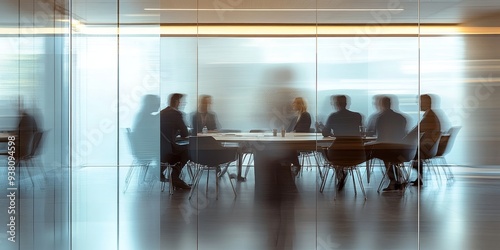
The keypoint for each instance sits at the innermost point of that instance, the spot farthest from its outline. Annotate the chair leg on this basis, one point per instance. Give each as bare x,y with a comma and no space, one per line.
197,178
30,176
217,173
446,169
232,186
206,189
384,177
323,180
319,163
360,179
129,176
350,170
336,183
250,159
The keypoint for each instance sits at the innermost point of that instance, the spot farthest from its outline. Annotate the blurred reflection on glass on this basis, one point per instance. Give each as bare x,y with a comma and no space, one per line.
145,129
27,129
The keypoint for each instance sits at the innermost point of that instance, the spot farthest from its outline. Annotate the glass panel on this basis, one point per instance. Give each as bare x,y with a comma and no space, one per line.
95,125
178,74
139,128
252,79
367,56
459,70
36,177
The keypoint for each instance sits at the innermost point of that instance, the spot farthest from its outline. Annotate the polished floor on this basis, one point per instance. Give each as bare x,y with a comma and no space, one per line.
444,214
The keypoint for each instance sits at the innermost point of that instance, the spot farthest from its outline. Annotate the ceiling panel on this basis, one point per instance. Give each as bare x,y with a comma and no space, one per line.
237,11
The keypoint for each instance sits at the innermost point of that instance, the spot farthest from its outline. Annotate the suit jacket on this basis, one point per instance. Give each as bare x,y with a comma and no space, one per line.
431,127
390,126
301,124
210,121
343,123
171,125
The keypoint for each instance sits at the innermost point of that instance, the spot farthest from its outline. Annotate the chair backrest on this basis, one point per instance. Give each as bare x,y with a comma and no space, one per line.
413,137
429,143
346,151
131,140
453,135
447,141
37,139
205,150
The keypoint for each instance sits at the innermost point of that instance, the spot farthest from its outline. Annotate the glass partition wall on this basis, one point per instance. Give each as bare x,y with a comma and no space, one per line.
34,102
94,75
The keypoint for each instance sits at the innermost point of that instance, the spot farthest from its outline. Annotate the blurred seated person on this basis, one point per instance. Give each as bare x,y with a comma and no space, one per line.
145,124
301,123
390,128
27,127
204,117
430,126
172,129
370,126
342,123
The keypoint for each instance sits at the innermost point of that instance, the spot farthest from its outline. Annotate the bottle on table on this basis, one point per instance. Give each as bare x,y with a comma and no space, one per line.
204,130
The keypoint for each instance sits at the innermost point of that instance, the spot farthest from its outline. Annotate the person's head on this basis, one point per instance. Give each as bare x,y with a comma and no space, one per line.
204,103
299,105
425,102
150,103
376,102
339,102
385,103
175,100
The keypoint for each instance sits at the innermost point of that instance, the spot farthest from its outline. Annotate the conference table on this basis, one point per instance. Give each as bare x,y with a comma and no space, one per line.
266,142
4,139
272,154
4,136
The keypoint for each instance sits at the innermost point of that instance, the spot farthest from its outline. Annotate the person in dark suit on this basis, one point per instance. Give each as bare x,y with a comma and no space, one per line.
342,123
390,128
171,126
302,123
204,117
430,126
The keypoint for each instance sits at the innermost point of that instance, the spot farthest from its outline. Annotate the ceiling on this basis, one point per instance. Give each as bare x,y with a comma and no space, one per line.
261,11
285,11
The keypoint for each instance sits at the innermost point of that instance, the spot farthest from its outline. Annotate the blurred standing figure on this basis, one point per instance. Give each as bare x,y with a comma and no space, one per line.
146,122
343,122
204,117
302,122
172,125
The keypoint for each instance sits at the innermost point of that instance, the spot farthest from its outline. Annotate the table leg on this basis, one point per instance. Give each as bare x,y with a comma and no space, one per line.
240,166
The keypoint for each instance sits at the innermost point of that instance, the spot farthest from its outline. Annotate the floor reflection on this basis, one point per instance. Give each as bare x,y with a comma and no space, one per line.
459,214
